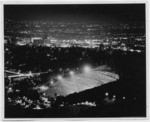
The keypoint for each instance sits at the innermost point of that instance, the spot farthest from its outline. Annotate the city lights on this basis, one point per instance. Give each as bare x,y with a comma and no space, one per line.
67,65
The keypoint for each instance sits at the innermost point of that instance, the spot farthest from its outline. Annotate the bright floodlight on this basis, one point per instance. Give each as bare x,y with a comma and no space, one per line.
59,77
87,69
71,73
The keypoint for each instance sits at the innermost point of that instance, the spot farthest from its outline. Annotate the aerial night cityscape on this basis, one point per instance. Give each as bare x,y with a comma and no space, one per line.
74,60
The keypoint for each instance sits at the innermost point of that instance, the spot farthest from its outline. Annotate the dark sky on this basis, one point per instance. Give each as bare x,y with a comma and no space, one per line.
91,12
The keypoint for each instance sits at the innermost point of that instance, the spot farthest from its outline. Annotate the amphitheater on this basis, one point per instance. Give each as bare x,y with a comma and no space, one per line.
80,81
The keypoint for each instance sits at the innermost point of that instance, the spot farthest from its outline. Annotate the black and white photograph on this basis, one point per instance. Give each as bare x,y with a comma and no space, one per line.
75,60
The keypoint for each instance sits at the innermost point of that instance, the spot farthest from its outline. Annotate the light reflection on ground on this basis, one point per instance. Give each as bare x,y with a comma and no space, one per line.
80,81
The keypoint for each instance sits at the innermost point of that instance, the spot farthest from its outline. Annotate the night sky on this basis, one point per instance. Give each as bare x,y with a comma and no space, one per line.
91,12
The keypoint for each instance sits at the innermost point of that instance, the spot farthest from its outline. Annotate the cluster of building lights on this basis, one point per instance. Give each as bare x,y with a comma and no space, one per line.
92,104
26,103
86,103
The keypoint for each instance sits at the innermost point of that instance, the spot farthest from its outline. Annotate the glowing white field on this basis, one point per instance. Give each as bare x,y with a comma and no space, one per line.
79,82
